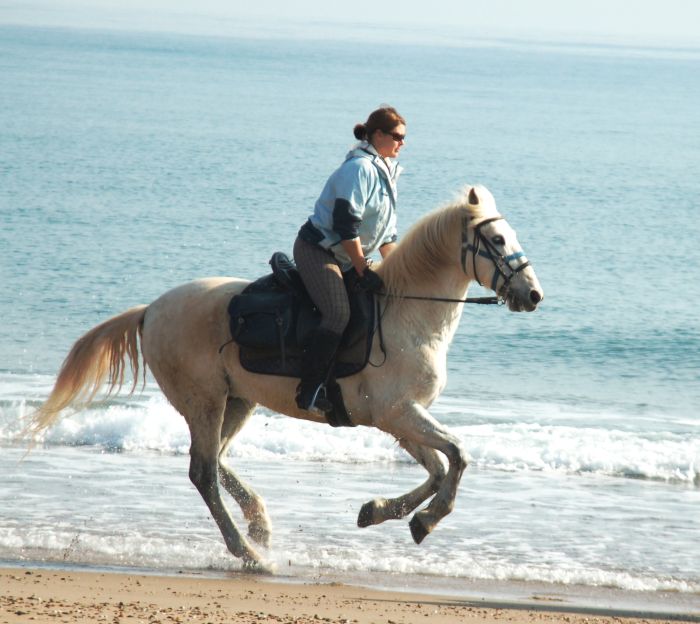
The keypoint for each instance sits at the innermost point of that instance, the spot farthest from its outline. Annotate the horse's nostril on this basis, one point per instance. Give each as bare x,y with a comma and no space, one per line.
535,296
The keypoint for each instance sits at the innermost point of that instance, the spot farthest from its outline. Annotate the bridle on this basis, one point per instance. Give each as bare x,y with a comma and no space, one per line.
502,264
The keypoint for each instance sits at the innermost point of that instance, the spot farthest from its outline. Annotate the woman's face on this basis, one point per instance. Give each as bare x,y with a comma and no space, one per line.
388,144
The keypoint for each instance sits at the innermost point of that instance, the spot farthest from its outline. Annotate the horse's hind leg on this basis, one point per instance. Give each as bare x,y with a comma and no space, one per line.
381,509
204,462
235,416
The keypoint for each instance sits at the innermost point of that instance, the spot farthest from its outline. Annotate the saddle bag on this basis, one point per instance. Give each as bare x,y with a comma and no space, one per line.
265,320
275,319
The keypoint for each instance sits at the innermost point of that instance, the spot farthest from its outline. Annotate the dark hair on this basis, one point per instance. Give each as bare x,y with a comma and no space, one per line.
385,119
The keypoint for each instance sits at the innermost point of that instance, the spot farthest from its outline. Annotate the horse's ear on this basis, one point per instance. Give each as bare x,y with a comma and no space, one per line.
473,197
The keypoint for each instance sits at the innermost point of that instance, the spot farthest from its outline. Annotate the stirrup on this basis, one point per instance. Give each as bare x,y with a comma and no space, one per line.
319,402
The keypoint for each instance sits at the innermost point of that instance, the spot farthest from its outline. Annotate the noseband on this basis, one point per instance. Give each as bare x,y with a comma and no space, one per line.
501,263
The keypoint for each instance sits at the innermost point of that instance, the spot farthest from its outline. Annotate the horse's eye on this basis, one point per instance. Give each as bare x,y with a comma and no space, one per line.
498,240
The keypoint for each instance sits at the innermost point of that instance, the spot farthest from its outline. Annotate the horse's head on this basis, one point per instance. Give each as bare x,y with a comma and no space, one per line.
492,255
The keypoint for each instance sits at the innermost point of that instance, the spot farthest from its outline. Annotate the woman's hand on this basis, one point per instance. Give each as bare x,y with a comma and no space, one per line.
370,281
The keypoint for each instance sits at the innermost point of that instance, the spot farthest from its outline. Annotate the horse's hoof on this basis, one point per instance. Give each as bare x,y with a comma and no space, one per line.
255,566
364,518
367,514
418,530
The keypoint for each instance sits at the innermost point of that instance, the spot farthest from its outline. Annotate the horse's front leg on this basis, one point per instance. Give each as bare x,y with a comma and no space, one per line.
381,509
411,421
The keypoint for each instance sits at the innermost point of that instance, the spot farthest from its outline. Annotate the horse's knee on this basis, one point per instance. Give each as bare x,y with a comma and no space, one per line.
457,456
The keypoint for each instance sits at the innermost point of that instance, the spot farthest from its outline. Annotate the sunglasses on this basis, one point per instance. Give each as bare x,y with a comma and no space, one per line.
396,136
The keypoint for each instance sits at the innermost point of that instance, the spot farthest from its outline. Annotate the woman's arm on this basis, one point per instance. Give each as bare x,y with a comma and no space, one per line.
353,248
385,250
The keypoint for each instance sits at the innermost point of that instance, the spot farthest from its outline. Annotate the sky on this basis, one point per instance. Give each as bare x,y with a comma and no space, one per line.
653,21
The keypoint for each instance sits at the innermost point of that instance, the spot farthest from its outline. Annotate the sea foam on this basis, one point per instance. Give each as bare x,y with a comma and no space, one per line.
499,440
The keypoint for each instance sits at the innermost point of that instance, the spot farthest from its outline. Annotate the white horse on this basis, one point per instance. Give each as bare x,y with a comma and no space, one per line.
181,333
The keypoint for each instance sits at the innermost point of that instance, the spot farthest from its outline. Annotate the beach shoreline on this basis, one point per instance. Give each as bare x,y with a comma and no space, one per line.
72,595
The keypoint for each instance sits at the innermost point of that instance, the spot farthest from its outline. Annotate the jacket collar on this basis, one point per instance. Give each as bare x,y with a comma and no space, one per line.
388,167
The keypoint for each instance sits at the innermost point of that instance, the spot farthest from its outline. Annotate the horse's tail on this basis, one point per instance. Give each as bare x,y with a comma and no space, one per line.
99,355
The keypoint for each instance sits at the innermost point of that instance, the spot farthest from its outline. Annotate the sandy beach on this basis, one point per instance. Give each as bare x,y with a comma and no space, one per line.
69,596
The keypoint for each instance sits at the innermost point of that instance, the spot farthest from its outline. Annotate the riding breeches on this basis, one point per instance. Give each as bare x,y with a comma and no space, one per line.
323,279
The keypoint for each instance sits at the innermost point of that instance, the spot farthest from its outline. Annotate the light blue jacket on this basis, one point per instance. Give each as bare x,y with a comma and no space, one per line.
358,200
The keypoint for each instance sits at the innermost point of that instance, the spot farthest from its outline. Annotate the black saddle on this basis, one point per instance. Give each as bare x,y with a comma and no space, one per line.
274,318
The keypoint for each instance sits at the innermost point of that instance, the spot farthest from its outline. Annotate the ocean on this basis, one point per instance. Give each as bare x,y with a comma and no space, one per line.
131,162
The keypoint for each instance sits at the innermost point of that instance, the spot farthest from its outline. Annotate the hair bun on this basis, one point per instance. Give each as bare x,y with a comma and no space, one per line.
360,131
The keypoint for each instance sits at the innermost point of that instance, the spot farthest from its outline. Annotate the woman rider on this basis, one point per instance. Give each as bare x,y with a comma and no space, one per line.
354,216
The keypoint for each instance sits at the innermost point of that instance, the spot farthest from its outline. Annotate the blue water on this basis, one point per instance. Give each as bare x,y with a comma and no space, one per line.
132,162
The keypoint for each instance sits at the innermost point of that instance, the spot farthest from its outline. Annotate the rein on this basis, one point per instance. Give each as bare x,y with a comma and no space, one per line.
481,300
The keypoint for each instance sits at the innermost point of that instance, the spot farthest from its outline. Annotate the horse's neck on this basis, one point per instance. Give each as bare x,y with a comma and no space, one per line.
428,322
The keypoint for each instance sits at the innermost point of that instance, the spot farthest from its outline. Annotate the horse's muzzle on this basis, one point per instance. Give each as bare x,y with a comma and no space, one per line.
525,302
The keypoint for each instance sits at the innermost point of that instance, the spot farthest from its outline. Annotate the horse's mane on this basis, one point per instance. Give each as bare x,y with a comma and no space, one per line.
433,241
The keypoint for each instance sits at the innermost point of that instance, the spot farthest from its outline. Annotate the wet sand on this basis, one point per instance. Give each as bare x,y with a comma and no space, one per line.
70,596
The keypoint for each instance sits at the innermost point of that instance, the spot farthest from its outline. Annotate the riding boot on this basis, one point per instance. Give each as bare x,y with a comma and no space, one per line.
316,365
338,416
